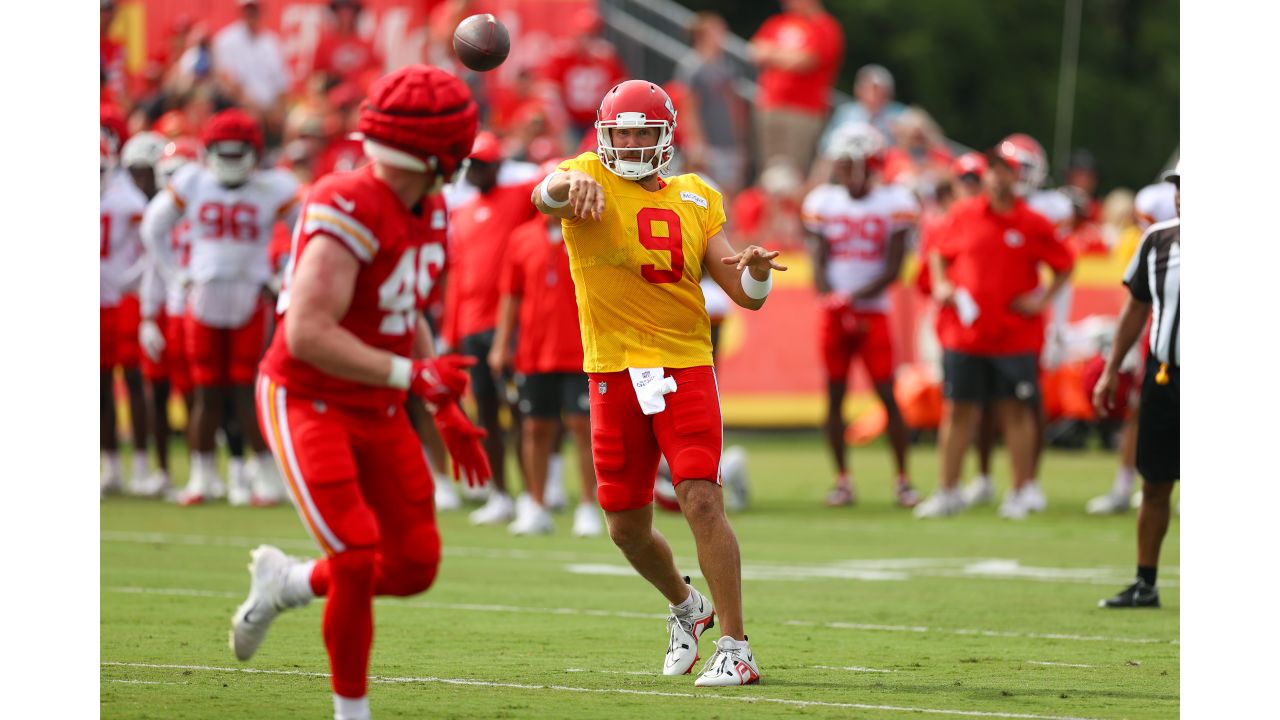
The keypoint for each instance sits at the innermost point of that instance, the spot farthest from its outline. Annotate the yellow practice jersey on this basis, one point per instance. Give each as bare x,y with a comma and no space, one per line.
636,271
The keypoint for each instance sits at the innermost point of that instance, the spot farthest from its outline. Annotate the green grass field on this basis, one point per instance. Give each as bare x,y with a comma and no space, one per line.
861,612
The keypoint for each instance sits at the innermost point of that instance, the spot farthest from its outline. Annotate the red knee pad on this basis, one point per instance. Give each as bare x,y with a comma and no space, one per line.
356,566
414,566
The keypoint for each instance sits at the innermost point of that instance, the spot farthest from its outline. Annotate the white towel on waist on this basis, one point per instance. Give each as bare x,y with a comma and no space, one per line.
650,386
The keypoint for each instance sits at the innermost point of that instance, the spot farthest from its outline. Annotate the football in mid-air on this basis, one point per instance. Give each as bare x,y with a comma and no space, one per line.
481,42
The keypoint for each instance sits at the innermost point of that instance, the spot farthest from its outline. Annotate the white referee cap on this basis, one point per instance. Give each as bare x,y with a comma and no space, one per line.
1174,174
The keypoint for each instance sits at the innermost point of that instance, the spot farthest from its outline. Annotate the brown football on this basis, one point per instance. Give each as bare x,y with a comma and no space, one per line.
481,42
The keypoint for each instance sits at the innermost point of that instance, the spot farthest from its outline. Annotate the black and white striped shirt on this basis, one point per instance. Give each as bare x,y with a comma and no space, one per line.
1154,277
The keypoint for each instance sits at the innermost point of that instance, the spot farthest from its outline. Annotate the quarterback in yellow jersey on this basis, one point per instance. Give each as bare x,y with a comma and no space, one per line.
638,246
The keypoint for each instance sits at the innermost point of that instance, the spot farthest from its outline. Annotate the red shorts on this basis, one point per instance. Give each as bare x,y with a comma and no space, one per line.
175,354
226,356
846,333
626,443
108,329
358,478
128,351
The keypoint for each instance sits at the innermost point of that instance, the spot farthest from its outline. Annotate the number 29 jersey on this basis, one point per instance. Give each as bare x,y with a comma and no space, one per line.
401,254
636,271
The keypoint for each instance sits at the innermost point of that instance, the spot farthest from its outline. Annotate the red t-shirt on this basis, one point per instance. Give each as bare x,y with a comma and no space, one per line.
537,270
481,230
345,56
340,155
996,257
401,254
583,79
808,90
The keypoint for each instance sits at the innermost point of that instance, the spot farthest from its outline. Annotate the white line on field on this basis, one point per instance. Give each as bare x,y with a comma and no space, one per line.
851,668
143,682
609,691
471,607
611,672
1058,664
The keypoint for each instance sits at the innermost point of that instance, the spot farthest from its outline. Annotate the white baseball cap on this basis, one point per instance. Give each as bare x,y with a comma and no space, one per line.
1174,174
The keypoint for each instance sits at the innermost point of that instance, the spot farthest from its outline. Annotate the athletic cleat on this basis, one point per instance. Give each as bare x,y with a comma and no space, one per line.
733,476
532,519
1032,497
499,509
841,496
446,494
554,497
586,521
110,484
239,491
684,631
155,485
1112,503
979,491
268,568
1137,595
942,503
732,664
907,497
268,489
1014,506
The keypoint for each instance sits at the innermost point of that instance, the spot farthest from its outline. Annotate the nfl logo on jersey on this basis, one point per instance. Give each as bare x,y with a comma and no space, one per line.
604,387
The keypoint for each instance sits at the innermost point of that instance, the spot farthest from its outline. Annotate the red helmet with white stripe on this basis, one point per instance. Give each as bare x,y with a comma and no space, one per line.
181,151
636,104
1024,154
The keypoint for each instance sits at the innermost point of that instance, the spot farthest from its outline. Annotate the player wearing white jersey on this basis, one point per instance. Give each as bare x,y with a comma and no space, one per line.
120,254
232,208
858,231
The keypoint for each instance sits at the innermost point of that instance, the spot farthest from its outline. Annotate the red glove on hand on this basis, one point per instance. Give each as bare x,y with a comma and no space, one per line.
463,442
440,380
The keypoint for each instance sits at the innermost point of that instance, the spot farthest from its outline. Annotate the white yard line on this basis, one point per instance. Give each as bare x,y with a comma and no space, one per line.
588,612
1058,664
704,697
143,682
611,672
851,668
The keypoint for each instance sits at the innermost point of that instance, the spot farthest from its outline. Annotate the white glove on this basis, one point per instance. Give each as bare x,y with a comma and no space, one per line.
966,307
151,339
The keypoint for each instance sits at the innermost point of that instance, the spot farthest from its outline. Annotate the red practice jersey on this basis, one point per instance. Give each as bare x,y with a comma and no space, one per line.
537,270
582,79
401,254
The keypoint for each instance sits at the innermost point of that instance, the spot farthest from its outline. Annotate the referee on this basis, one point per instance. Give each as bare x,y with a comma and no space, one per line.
1153,281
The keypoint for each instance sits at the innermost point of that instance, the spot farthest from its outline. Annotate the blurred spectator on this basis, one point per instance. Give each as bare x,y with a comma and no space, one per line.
1084,236
342,153
798,52
111,58
582,70
713,116
248,59
873,91
341,54
1120,224
768,213
1082,173
920,158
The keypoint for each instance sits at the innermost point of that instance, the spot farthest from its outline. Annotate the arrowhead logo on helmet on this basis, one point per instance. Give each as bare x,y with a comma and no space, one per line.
636,104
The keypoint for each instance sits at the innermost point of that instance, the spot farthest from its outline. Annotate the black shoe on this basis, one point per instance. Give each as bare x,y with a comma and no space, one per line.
1139,594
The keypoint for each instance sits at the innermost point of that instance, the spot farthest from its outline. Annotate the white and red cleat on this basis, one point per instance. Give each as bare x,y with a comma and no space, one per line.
733,664
684,630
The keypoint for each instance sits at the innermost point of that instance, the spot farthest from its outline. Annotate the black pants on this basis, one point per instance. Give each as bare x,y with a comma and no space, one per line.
1159,429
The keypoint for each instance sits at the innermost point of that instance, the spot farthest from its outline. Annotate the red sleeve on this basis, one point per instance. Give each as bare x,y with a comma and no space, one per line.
942,240
767,30
1052,251
832,48
747,212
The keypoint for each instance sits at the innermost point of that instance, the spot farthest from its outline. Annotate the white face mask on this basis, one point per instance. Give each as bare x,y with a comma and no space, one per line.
233,167
653,158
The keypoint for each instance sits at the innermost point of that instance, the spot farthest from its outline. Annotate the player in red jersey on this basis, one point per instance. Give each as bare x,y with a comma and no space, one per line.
332,388
538,297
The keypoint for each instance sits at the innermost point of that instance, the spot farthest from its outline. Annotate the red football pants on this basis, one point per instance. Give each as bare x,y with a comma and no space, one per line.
360,482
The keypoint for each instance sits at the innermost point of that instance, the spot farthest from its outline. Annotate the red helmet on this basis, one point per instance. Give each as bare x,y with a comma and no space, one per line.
1021,152
970,163
487,148
177,153
232,125
419,118
234,142
172,124
636,104
113,125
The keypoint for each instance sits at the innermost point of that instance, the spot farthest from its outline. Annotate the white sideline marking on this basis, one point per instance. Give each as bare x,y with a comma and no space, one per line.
1058,664
610,691
471,607
611,672
851,668
983,633
143,682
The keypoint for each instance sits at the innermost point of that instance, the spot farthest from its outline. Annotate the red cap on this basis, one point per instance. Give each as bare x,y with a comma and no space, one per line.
970,163
487,148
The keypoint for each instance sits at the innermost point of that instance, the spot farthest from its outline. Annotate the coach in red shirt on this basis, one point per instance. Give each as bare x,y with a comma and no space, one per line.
986,277
798,52
538,295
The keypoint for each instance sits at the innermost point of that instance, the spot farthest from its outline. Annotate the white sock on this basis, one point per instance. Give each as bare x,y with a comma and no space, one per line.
689,605
350,708
555,468
112,461
235,466
202,464
140,463
984,480
297,583
1124,481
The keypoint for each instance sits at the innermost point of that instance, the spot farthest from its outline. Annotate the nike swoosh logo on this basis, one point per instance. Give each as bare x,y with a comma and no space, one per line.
346,205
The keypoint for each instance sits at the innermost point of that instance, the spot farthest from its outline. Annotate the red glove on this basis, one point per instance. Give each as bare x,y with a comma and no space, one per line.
440,380
463,441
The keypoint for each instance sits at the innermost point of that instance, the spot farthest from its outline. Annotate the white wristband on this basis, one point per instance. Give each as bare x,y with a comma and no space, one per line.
546,196
756,289
401,374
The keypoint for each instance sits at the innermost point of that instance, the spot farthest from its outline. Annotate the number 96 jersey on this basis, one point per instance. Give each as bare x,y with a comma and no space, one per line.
401,254
636,271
